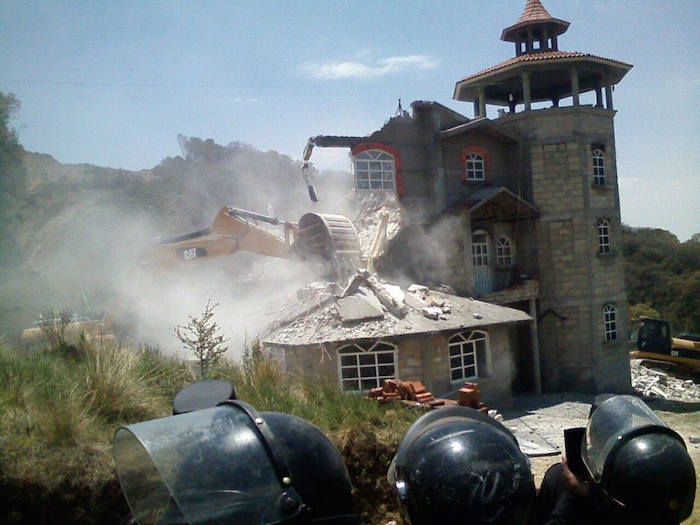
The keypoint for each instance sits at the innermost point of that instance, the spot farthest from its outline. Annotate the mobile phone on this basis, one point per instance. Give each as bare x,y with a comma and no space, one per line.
573,438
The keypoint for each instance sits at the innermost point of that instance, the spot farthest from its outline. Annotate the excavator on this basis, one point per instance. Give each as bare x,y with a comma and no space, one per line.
650,339
325,240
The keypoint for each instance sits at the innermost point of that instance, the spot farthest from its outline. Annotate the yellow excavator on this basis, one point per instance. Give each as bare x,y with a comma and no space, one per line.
650,339
325,239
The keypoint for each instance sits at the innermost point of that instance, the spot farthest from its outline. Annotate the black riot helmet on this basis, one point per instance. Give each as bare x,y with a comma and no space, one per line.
231,464
639,462
456,465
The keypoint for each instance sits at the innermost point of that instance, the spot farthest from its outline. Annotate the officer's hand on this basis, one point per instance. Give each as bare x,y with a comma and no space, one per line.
575,485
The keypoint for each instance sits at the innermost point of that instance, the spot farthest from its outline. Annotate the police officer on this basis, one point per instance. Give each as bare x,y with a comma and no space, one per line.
456,465
218,460
637,470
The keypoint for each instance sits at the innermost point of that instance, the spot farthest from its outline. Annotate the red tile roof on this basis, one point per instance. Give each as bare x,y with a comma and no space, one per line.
534,10
539,56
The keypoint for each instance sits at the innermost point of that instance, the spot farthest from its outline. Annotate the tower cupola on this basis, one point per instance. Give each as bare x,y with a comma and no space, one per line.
539,72
535,30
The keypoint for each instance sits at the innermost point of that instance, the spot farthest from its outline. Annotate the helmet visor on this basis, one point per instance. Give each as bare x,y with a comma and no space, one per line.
610,425
208,466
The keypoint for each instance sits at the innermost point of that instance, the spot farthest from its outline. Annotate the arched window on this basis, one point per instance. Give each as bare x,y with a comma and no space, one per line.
610,322
474,166
366,365
598,167
374,171
603,236
504,253
468,355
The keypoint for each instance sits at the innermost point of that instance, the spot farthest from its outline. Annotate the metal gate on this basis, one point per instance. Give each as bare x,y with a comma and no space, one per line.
483,281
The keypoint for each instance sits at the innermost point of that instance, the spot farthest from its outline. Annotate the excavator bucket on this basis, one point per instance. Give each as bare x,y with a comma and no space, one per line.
331,238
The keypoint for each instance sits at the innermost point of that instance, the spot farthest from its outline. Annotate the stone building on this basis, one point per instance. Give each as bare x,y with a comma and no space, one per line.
357,343
519,210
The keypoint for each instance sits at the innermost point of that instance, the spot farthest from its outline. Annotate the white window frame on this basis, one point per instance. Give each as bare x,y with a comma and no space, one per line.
463,346
598,167
358,350
375,170
610,322
505,253
603,236
475,167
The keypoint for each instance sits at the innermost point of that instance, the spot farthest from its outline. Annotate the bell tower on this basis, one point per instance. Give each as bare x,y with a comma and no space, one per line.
540,72
567,169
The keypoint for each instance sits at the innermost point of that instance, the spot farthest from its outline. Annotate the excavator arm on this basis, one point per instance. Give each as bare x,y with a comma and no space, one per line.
233,229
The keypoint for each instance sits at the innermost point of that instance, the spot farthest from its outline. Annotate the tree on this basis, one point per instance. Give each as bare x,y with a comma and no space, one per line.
200,336
12,174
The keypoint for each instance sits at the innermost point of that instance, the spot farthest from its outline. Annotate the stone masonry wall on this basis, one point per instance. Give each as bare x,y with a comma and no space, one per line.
576,281
421,357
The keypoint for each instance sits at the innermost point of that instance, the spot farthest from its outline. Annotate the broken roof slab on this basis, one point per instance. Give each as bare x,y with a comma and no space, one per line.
324,325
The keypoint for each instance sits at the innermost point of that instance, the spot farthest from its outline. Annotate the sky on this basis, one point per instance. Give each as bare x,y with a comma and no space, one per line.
114,83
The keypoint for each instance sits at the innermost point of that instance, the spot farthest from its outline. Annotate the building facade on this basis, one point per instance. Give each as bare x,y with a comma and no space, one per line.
520,210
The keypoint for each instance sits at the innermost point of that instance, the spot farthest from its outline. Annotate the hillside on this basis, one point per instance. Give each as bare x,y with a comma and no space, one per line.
664,273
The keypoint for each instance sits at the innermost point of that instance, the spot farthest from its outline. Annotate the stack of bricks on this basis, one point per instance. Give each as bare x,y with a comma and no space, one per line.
469,397
410,393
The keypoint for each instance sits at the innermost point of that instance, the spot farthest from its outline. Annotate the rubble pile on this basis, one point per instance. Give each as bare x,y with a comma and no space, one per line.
654,382
380,216
414,394
369,307
432,306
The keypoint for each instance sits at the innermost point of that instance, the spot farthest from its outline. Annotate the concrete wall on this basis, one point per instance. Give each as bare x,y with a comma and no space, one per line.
575,280
420,357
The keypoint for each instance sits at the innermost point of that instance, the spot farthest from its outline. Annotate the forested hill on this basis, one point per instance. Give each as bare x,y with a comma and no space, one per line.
664,274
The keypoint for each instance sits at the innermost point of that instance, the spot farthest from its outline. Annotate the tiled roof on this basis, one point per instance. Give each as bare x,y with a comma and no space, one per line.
540,56
534,10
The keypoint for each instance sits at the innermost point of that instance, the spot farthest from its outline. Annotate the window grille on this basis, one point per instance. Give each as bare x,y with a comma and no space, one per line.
374,171
475,167
366,365
598,167
603,236
504,253
610,322
468,355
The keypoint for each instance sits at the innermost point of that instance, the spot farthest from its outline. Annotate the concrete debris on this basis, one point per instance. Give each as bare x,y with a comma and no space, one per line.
414,301
378,221
429,304
359,307
432,312
357,280
649,381
387,299
396,293
371,308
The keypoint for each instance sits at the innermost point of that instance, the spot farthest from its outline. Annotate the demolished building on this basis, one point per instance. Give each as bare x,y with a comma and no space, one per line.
372,331
521,210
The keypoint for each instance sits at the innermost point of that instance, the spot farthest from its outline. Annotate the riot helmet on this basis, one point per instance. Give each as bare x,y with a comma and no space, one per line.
232,464
639,463
456,465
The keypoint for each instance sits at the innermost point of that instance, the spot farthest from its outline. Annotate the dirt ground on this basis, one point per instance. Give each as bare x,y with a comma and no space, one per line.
548,415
